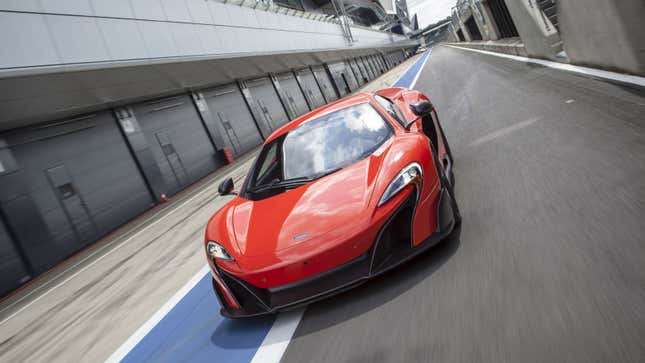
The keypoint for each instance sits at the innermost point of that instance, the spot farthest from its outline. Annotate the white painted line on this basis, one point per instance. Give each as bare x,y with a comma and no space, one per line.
503,131
416,77
277,340
121,244
614,76
135,338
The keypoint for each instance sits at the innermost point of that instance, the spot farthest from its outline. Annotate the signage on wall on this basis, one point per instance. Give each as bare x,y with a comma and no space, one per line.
128,127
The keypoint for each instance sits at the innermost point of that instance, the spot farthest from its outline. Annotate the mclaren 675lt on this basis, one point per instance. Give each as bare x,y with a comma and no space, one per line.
335,197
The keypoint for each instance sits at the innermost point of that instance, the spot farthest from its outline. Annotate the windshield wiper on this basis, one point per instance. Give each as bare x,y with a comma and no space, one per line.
288,184
291,182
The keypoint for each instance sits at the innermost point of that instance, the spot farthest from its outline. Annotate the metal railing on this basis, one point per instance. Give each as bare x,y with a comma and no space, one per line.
341,17
534,5
269,6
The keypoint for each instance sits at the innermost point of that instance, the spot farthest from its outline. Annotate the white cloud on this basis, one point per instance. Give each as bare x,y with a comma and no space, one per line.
429,11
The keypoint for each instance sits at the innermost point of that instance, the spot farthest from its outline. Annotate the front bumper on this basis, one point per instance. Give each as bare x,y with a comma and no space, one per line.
388,251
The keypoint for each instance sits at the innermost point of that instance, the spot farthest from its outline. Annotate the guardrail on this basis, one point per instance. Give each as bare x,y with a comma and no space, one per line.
533,5
268,5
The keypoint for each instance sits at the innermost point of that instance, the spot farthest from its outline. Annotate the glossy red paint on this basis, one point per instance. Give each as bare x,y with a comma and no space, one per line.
335,218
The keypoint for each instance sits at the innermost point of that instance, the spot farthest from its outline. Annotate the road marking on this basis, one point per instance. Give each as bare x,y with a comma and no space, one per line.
144,329
277,340
620,77
503,131
415,69
170,212
416,77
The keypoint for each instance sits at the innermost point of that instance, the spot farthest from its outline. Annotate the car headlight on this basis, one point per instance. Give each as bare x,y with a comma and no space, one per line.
215,250
410,174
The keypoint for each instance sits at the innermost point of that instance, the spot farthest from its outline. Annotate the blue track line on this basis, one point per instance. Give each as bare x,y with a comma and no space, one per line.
408,77
194,331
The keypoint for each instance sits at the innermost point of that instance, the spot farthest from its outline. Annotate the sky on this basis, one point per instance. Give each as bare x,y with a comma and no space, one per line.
429,11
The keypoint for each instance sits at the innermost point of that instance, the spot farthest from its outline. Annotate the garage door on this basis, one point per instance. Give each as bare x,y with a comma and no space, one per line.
368,68
372,61
292,94
229,109
81,179
340,80
358,72
364,71
325,83
379,61
388,60
355,72
265,99
178,140
309,85
12,269
343,78
353,81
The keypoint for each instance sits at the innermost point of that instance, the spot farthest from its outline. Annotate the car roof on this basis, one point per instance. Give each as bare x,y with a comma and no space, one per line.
331,107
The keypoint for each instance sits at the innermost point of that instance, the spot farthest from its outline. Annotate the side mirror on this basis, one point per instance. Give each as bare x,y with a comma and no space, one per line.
421,108
226,187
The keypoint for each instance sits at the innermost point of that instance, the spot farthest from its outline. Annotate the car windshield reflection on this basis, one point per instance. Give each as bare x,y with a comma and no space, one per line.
319,147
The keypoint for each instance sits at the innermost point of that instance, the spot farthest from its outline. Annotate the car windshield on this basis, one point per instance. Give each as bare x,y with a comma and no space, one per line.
320,146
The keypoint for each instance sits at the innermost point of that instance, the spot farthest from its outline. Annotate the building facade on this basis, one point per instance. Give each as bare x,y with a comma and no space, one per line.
596,33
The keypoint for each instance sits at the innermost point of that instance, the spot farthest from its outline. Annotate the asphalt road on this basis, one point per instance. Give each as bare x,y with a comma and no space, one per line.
549,264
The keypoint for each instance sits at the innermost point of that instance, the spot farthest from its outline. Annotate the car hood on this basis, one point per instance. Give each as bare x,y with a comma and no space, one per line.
332,203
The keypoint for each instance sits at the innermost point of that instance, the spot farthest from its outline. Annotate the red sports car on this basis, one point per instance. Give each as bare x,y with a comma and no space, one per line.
335,197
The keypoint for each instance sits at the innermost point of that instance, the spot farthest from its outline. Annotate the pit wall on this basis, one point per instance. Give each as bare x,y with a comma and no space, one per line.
60,33
540,38
607,34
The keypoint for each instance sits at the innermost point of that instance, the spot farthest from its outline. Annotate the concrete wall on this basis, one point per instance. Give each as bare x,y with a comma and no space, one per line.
483,23
607,34
61,58
55,33
540,38
491,27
